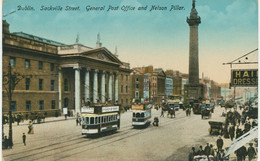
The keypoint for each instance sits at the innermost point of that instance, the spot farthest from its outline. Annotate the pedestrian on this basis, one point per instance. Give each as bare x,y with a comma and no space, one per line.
251,152
200,151
231,132
5,142
212,150
243,152
192,154
219,143
238,132
65,116
77,121
30,126
24,139
162,113
207,150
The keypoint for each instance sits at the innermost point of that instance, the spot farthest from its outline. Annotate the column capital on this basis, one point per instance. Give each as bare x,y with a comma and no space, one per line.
88,68
77,67
96,70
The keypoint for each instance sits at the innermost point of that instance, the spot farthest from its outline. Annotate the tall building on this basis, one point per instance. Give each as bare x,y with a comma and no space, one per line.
56,75
194,90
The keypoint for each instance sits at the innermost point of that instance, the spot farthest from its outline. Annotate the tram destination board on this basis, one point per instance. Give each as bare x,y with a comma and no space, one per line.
244,78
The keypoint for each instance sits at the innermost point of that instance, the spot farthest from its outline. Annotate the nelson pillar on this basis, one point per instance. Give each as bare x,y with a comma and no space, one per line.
194,90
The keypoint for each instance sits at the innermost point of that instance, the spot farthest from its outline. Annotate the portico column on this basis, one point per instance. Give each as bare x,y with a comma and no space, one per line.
60,88
77,89
116,87
110,86
103,98
87,86
95,86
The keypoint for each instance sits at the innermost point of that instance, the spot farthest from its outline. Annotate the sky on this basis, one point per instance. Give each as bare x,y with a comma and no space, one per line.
228,30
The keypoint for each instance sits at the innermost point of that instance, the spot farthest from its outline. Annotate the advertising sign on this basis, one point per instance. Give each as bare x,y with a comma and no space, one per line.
244,77
110,109
65,111
87,109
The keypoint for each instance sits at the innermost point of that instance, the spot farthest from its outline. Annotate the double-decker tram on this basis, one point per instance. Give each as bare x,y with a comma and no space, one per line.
99,118
141,114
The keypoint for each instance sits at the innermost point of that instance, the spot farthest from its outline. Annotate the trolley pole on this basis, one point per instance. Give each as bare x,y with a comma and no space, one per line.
234,96
10,108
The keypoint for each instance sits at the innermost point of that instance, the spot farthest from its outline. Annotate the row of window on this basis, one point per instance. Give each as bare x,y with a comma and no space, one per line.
122,89
122,77
99,119
28,83
126,101
27,64
28,105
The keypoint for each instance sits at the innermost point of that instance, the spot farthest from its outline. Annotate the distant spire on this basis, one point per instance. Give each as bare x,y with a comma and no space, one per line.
193,3
98,44
116,52
77,38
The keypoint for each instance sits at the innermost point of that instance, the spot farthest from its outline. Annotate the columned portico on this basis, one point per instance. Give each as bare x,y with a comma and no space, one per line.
103,98
87,85
77,89
110,98
95,86
116,86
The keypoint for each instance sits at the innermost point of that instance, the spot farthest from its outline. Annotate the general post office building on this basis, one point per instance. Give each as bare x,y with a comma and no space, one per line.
52,75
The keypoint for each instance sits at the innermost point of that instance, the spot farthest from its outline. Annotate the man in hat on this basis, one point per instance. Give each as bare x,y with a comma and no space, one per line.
192,154
231,132
220,143
207,150
212,150
24,139
200,151
251,152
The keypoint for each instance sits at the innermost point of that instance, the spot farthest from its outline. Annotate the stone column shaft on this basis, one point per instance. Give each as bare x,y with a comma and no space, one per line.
77,90
95,87
194,56
103,98
116,87
110,87
87,86
60,89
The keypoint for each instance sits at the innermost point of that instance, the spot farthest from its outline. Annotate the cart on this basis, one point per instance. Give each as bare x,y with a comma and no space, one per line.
216,128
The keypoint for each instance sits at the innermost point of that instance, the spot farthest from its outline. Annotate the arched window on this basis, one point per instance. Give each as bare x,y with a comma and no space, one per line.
66,102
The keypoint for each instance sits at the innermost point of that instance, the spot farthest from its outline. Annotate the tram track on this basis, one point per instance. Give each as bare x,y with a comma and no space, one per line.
70,145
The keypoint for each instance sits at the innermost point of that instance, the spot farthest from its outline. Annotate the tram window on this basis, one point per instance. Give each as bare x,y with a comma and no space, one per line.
91,120
133,114
95,120
98,120
105,119
113,116
142,114
87,120
102,119
109,118
137,114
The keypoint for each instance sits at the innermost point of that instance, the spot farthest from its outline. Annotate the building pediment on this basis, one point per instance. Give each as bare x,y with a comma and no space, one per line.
102,54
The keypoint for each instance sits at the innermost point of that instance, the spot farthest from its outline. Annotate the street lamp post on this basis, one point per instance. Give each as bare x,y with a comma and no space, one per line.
10,81
10,108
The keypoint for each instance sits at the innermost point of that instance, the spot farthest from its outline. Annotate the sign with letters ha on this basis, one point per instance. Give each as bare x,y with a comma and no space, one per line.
244,77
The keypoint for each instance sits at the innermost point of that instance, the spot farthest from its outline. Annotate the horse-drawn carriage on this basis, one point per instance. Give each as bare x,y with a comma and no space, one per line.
216,128
205,113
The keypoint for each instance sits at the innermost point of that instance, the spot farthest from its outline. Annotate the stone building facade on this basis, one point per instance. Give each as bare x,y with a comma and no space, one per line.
56,75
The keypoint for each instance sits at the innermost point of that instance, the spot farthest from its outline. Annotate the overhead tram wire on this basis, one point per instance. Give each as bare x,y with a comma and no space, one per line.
232,62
